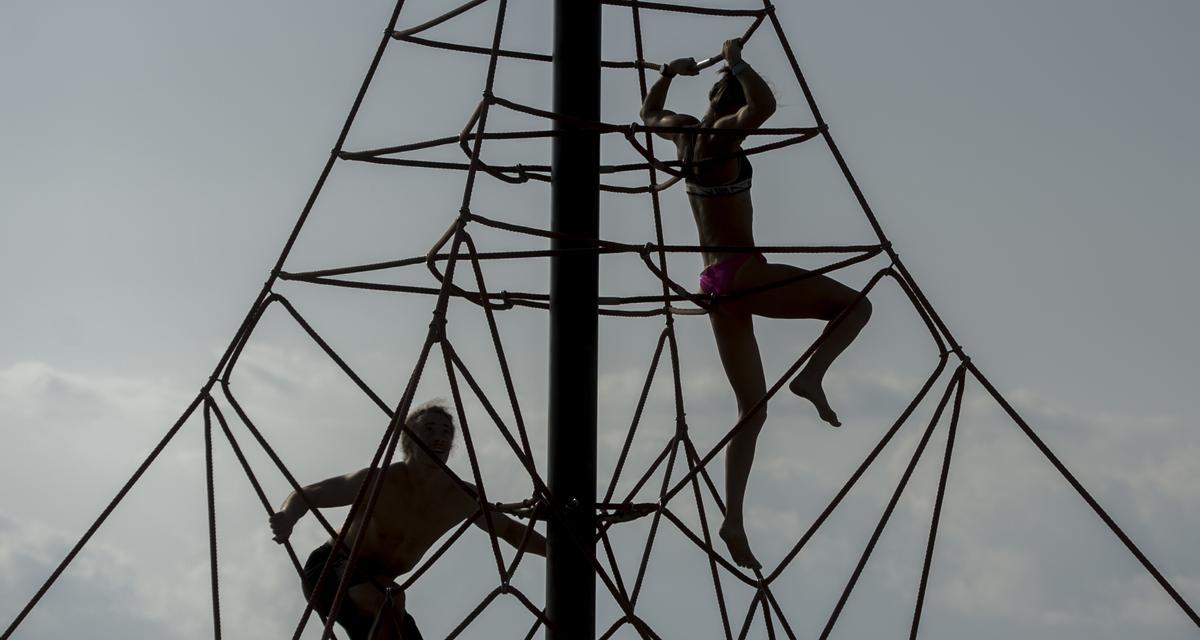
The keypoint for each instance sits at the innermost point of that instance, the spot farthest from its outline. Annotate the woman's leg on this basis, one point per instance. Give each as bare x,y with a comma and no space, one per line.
738,348
818,297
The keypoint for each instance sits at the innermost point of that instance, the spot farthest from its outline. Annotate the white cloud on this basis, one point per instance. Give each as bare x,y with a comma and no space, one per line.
102,591
35,390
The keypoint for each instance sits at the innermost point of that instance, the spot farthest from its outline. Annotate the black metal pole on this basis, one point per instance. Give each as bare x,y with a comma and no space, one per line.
574,285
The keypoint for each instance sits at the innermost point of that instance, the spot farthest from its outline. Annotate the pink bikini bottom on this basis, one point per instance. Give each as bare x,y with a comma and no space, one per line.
717,278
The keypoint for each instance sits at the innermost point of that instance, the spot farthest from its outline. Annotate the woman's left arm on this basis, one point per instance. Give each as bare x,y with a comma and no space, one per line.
760,100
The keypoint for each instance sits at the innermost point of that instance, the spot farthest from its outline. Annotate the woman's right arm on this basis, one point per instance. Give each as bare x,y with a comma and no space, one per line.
338,491
656,99
760,100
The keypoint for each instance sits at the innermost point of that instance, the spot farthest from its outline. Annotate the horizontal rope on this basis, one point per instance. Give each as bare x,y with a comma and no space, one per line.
506,300
606,250
518,174
368,154
514,54
681,8
438,142
608,127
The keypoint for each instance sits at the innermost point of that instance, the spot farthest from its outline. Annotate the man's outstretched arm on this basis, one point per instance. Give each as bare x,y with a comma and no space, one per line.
513,533
338,491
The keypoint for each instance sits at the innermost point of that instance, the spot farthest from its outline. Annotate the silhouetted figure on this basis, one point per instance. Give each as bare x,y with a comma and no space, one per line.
418,503
718,181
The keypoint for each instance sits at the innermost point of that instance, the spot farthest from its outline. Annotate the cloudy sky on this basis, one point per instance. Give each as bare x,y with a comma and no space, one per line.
1034,163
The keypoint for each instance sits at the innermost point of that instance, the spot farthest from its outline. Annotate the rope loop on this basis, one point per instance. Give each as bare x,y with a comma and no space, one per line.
506,301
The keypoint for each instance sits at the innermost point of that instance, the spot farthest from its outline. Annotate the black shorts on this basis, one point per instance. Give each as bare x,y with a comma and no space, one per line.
356,621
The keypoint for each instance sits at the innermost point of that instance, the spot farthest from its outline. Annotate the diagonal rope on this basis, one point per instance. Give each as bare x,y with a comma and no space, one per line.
937,507
891,506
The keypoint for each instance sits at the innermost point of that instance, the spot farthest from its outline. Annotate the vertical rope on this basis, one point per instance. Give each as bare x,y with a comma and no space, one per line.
212,519
891,506
937,508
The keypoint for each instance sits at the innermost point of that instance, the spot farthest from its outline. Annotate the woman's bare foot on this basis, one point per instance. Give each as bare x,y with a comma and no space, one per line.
734,535
813,392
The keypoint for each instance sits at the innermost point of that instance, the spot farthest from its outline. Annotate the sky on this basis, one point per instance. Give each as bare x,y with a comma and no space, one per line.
1033,163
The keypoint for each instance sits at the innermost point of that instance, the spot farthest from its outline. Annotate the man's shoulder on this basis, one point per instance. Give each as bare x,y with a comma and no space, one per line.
397,471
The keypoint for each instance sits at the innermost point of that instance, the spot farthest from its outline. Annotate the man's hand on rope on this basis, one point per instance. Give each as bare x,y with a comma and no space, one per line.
281,525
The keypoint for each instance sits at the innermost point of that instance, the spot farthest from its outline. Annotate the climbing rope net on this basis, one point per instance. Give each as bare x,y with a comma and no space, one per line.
456,249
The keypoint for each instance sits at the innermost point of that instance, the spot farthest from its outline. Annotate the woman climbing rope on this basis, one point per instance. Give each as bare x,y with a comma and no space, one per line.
717,178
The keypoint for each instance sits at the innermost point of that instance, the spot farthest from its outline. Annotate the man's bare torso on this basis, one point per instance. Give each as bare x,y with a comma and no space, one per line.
415,507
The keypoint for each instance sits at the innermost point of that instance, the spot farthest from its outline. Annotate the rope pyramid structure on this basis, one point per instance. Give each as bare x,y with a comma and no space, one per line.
456,267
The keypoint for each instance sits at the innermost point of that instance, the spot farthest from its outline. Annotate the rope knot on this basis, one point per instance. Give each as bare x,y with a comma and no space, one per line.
505,300
962,356
437,325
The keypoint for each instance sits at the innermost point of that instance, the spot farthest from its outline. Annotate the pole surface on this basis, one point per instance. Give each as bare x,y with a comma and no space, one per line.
574,286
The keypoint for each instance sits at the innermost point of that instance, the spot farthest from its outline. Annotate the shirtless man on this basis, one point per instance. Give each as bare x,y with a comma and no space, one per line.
418,503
